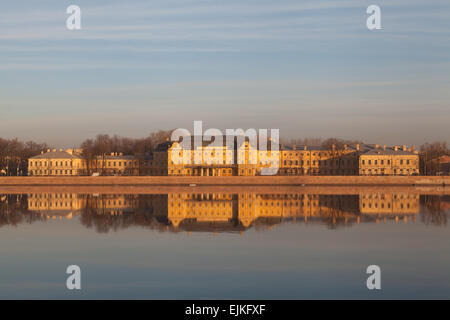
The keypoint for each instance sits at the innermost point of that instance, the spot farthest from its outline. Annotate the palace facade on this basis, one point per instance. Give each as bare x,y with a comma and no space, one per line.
244,159
57,163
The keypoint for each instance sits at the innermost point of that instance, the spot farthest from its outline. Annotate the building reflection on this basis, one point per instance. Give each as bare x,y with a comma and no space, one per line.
219,212
56,205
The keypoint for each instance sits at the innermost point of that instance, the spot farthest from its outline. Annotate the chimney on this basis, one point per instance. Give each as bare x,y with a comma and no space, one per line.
333,146
305,148
404,147
396,148
384,147
345,147
294,147
357,146
413,148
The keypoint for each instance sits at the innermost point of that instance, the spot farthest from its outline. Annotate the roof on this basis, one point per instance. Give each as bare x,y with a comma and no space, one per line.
302,148
56,155
388,152
118,157
163,147
444,159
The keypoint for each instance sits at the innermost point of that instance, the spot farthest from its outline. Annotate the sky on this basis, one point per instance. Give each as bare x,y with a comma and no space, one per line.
308,68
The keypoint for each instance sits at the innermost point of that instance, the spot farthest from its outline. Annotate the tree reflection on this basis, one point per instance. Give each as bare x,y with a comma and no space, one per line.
14,210
435,209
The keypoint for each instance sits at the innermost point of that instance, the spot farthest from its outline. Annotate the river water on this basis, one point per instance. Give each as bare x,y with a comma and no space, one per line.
240,245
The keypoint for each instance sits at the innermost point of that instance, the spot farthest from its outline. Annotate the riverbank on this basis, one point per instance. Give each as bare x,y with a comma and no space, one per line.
230,181
268,189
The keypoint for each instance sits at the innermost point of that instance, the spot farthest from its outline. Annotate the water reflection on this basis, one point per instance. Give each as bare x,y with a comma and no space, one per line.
222,212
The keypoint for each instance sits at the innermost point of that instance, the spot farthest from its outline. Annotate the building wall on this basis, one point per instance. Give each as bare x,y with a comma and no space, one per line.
116,165
55,167
389,164
245,161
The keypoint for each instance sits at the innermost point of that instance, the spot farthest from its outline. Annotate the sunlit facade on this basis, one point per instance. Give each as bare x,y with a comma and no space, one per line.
247,160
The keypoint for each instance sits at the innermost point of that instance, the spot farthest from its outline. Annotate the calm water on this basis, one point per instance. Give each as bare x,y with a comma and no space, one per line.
224,246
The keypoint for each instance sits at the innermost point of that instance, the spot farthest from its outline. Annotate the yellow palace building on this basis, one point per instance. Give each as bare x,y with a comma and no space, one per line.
242,159
246,160
57,163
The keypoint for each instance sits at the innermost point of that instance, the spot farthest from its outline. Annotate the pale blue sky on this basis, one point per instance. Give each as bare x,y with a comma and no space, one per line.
310,68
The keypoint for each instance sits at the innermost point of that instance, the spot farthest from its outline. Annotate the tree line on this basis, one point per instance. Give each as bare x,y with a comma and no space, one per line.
430,155
14,154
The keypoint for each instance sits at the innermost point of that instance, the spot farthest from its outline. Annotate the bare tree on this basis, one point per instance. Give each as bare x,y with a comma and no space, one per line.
430,156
